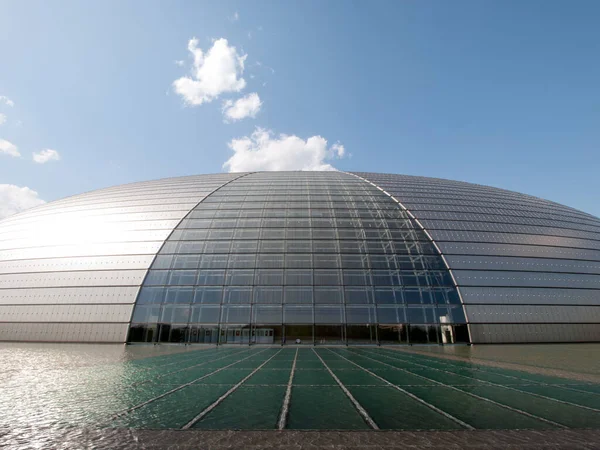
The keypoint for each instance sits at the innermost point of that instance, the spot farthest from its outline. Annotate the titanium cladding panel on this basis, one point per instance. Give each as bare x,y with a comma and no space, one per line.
70,270
317,256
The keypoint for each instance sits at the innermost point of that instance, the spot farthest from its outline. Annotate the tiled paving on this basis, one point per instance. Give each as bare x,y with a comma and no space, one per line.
340,388
94,396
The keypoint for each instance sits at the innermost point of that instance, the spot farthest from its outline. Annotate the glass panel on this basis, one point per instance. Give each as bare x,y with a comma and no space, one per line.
180,295
328,294
213,261
412,296
210,277
269,261
298,261
267,314
329,334
297,314
175,314
356,277
415,314
146,313
326,261
163,262
151,295
360,314
205,314
329,314
392,334
268,294
156,277
358,295
235,314
186,261
182,277
242,261
355,261
240,277
268,277
361,334
208,295
272,246
267,334
390,314
298,277
298,295
237,295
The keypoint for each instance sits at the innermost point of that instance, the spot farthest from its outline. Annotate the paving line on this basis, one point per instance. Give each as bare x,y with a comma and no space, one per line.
357,405
288,395
178,359
490,383
225,395
566,387
186,368
525,413
133,408
414,397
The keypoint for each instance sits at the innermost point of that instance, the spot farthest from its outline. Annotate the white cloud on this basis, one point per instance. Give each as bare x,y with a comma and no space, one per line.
7,101
264,151
214,73
2,118
247,106
8,148
46,155
14,199
179,62
235,17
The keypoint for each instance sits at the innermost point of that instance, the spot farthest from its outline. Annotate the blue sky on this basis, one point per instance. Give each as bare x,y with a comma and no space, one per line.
502,93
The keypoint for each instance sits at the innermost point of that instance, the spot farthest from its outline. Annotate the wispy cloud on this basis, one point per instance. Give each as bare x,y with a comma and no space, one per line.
235,17
8,148
247,106
46,155
262,150
7,101
214,73
14,199
2,118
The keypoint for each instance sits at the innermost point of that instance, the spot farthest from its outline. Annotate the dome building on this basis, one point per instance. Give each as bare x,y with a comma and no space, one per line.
300,257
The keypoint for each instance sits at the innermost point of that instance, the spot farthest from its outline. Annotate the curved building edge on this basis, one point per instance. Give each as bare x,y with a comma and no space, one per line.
526,269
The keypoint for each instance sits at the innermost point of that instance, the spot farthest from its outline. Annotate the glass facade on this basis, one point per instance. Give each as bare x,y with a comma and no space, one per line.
298,257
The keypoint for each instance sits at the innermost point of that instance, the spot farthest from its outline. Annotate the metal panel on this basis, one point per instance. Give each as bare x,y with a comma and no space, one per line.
533,296
525,264
527,279
533,314
526,333
80,260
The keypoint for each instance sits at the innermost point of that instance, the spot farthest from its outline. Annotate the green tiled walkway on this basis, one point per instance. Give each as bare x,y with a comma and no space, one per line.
338,388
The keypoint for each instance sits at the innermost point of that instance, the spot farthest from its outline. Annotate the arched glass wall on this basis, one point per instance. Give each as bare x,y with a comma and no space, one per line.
298,257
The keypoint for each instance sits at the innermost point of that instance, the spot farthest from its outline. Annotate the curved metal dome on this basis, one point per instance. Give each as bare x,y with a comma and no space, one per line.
320,257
